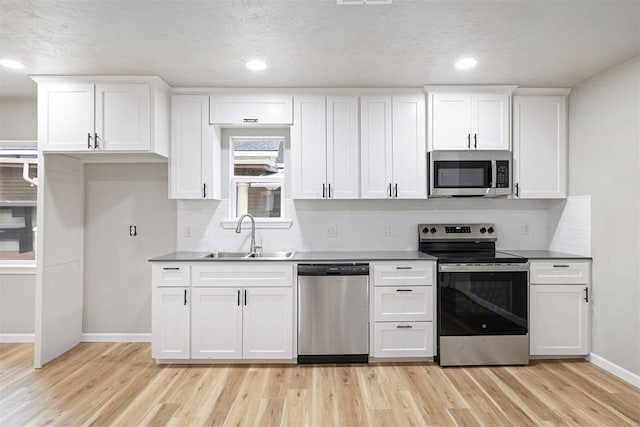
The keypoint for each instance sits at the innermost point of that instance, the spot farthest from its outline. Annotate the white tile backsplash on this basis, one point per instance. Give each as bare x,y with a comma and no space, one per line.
570,226
361,224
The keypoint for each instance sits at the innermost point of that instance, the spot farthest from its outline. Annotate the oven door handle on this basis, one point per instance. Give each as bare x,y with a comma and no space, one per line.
466,268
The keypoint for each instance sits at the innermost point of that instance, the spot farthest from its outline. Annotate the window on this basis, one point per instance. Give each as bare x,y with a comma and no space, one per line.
257,177
17,205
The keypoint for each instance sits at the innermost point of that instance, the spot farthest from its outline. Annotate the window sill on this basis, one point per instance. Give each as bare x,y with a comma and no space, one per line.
12,268
230,224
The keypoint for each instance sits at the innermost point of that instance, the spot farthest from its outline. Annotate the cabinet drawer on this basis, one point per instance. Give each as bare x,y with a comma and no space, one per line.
403,303
404,339
272,109
403,273
243,274
170,274
560,271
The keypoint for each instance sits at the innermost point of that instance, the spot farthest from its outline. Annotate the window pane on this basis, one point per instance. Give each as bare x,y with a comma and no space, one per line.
260,200
17,213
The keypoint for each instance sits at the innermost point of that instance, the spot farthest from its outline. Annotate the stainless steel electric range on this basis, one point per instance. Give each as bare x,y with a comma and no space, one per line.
482,296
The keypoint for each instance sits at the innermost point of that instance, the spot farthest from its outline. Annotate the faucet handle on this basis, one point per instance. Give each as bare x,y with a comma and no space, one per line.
258,248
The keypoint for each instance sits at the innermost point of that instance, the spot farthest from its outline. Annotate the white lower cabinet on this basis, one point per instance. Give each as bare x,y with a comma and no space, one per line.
214,318
402,309
559,312
170,323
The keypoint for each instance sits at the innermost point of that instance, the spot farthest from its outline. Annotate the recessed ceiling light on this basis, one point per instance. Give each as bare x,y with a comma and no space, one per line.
466,63
10,63
256,65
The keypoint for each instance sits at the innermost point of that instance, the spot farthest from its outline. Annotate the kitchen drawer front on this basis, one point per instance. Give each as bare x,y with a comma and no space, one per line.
403,339
403,303
399,273
560,271
242,274
170,274
269,110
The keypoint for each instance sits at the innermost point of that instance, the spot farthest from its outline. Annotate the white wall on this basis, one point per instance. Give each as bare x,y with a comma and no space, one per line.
604,162
18,118
117,274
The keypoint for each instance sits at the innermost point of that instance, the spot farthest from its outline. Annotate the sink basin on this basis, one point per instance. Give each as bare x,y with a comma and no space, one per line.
271,255
248,255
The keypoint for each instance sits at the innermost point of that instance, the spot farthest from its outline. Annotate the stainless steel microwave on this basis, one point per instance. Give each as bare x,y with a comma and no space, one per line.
469,173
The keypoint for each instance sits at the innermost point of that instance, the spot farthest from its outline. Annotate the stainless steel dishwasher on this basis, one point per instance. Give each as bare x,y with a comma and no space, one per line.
333,313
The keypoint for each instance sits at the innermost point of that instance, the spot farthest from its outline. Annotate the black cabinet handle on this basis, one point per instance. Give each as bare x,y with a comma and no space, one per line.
89,140
250,120
95,141
404,290
475,140
324,195
390,191
517,190
171,268
396,190
245,297
586,294
404,268
468,140
329,192
238,297
204,190
185,297
404,326
560,265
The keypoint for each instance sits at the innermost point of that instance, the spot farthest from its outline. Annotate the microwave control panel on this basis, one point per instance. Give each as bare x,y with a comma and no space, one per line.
502,174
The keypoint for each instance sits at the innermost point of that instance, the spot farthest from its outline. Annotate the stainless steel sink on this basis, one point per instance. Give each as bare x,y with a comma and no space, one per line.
271,255
249,255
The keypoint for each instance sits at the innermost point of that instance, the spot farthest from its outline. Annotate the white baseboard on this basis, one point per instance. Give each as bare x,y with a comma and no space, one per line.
17,338
614,369
116,337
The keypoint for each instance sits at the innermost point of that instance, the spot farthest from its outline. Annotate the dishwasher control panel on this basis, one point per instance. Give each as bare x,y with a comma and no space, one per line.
352,269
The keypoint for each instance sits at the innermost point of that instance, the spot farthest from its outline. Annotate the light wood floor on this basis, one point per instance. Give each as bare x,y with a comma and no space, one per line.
119,384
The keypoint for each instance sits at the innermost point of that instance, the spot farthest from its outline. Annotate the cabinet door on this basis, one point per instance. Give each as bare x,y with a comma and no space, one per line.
490,121
559,323
540,147
216,326
190,132
404,339
267,323
65,117
407,273
123,120
450,118
376,156
263,110
409,148
343,155
309,148
170,323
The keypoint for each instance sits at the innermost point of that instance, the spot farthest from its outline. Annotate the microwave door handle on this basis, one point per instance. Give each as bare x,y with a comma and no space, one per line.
494,174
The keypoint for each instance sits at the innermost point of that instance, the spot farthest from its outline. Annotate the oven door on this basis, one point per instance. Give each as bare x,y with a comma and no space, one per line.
483,299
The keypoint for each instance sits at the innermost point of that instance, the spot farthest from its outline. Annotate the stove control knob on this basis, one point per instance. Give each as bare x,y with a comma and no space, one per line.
425,230
490,230
433,229
483,230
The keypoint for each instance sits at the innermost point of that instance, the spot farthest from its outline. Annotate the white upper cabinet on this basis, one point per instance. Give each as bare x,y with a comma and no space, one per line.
540,146
251,110
195,149
324,148
460,120
393,147
76,114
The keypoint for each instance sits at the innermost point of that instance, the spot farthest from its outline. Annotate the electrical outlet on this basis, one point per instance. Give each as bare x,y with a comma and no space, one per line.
525,229
332,231
387,230
187,231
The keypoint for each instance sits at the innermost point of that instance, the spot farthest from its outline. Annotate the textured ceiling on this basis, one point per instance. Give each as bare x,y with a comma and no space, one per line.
317,43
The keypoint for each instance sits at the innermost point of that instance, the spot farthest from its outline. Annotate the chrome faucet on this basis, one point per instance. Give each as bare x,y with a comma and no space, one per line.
252,248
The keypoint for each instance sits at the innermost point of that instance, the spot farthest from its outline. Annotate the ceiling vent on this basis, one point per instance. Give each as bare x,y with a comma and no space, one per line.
361,2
